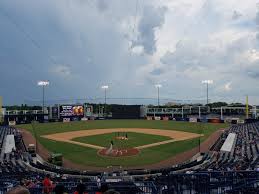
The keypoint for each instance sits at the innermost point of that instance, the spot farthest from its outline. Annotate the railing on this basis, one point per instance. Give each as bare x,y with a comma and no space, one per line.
203,183
210,182
25,112
184,110
92,188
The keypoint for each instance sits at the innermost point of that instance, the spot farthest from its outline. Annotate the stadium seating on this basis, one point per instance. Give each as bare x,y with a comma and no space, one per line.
245,154
216,172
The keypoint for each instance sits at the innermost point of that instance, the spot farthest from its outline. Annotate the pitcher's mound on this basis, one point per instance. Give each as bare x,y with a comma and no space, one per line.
121,138
118,152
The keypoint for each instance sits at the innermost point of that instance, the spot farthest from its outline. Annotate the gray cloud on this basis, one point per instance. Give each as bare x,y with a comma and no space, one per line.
77,52
84,44
188,54
257,18
157,71
151,19
252,73
257,23
236,15
61,70
102,5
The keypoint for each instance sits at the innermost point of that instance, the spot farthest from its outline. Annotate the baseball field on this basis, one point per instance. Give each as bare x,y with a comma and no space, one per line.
155,141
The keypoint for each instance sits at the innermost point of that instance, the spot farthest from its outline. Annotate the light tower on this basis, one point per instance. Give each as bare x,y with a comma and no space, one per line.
207,82
105,88
43,84
158,86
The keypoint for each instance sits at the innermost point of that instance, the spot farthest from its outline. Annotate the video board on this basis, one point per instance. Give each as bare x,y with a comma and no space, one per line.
71,110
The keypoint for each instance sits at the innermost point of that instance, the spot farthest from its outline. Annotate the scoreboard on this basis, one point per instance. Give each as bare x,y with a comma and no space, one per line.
71,111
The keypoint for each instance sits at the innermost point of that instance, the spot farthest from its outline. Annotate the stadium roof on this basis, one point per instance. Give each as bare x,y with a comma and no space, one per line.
9,144
229,143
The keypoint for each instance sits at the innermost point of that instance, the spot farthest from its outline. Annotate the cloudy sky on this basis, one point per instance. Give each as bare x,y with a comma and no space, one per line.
130,45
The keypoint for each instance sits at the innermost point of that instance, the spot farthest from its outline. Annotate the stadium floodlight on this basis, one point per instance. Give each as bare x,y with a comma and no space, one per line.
43,84
105,88
158,86
207,82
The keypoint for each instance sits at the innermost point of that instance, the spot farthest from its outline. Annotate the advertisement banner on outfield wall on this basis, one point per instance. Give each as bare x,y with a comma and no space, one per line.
66,120
165,118
149,118
193,120
71,110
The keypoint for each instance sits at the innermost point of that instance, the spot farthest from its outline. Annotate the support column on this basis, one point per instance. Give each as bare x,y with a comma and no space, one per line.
255,112
247,108
221,113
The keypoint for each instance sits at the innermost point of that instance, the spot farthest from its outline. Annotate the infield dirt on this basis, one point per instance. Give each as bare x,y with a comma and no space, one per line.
179,158
174,135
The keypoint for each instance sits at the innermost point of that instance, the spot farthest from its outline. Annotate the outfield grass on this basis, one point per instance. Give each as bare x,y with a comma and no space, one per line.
89,156
134,140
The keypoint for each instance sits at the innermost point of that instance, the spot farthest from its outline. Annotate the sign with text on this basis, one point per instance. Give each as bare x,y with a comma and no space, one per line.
66,120
71,110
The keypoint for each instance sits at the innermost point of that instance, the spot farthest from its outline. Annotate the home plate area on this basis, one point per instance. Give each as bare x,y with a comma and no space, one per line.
118,152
